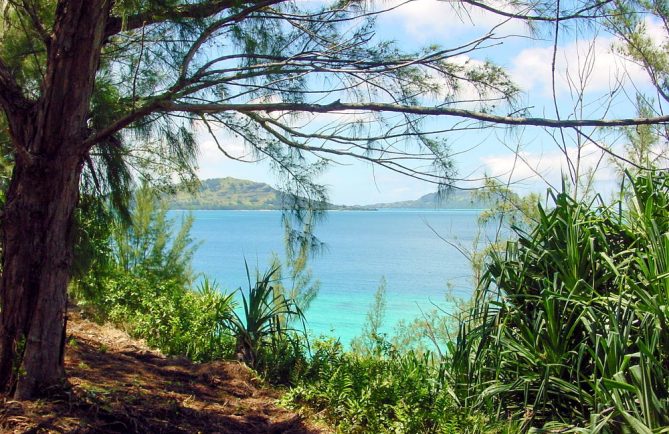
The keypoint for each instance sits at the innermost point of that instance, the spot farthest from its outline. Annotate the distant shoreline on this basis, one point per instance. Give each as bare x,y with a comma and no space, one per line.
243,195
335,210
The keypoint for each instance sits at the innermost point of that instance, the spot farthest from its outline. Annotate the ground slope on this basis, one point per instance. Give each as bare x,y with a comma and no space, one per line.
120,386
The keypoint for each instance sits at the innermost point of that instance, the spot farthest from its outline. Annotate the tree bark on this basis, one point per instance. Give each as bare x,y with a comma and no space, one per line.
37,252
48,139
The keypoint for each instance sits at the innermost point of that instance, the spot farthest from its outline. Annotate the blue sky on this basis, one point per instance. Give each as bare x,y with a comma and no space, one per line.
527,57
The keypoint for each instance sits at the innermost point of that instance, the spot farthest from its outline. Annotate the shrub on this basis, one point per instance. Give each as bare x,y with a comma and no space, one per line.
266,318
191,324
568,329
383,391
143,285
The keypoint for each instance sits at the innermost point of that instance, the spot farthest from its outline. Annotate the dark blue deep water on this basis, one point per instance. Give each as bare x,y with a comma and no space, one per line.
361,248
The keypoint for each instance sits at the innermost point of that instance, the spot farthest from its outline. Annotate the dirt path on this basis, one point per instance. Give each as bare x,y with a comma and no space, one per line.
121,386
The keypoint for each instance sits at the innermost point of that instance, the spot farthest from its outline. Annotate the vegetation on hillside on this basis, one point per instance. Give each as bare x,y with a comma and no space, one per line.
566,331
229,193
568,328
146,285
455,199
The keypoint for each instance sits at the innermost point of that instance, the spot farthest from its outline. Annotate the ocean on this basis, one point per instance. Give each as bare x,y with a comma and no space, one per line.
361,248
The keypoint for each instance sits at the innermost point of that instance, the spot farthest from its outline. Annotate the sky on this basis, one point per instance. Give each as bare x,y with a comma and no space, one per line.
530,158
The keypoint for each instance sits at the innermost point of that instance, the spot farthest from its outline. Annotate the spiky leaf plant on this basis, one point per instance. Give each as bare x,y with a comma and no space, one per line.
264,317
569,328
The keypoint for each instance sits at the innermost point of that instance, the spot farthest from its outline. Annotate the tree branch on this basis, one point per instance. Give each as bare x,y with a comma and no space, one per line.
11,96
574,15
166,106
209,31
188,11
121,123
29,8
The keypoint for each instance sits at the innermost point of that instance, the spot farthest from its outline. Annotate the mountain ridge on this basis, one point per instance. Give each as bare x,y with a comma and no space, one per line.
241,194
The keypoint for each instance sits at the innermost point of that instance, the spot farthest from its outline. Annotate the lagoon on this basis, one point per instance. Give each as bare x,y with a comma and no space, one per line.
361,248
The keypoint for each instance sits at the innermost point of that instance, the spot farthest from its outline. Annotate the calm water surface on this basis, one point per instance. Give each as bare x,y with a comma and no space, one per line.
361,248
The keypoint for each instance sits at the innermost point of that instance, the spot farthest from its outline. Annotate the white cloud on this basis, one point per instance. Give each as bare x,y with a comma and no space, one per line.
593,62
212,161
655,31
232,146
443,20
596,63
534,168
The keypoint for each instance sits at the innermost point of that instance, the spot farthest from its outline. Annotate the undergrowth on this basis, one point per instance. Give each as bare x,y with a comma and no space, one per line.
567,330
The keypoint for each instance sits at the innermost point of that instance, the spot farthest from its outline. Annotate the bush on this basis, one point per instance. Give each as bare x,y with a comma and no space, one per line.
265,337
143,285
382,391
191,324
283,360
569,325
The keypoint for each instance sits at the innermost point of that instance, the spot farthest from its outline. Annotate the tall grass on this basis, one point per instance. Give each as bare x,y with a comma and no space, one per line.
569,325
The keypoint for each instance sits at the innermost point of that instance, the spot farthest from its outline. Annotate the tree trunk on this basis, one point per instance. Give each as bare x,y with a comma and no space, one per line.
37,257
37,220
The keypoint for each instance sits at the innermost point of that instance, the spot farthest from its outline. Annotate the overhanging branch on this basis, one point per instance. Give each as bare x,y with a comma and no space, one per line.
579,14
162,106
189,11
416,110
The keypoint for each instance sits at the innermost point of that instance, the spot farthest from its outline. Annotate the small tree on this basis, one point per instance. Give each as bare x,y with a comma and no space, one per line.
370,339
148,244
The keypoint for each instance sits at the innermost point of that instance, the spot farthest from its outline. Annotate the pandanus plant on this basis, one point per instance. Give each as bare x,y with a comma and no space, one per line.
267,315
570,324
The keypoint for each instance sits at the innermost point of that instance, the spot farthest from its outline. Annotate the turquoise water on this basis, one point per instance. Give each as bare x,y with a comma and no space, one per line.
361,248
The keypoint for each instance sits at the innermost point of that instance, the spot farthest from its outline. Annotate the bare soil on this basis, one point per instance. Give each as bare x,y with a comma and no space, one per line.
118,385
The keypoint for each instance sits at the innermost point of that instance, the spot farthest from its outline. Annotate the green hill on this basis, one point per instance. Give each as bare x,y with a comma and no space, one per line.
229,193
456,199
233,193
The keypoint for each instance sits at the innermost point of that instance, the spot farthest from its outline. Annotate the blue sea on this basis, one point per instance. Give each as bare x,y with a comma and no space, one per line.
361,248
